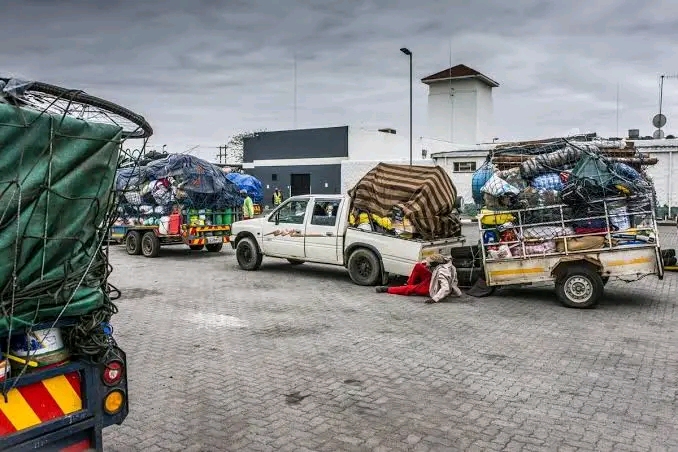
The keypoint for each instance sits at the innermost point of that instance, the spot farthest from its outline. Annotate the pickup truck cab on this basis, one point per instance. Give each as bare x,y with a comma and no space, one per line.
316,228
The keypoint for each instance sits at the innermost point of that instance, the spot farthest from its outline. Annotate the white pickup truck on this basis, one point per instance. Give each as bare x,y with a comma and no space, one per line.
315,228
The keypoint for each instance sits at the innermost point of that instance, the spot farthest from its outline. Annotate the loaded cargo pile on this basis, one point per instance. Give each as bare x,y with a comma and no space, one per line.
555,196
412,202
178,184
56,179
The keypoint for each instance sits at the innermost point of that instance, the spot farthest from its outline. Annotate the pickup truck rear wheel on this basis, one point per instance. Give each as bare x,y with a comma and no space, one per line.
579,286
248,255
364,268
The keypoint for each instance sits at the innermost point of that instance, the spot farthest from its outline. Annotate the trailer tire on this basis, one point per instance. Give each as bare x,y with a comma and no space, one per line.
364,267
133,243
214,247
295,261
579,286
196,247
150,245
248,255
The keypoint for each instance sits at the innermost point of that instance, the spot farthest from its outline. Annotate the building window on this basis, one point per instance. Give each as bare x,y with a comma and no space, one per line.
274,177
464,167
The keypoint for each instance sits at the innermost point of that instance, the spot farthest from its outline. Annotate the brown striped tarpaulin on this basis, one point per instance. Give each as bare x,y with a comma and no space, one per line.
425,194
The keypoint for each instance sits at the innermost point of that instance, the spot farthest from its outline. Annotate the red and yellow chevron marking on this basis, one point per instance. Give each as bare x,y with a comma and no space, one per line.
197,242
195,230
30,405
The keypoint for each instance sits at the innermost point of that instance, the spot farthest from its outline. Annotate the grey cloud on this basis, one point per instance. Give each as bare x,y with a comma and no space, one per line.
201,70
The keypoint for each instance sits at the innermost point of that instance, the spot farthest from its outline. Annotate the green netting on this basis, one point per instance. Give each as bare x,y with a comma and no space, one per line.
56,177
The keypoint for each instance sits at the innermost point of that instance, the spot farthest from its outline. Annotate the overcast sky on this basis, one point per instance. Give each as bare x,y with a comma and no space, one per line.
201,70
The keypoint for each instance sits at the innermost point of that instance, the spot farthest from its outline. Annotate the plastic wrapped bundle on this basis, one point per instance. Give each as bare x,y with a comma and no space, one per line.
548,181
547,163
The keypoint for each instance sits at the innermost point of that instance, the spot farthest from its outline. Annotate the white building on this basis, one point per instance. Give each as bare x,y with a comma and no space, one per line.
460,108
665,181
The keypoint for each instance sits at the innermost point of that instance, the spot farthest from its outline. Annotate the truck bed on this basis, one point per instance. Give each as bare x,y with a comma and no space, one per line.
400,254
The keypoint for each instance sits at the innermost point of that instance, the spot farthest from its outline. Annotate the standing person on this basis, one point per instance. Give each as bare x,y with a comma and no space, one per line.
435,277
247,206
277,197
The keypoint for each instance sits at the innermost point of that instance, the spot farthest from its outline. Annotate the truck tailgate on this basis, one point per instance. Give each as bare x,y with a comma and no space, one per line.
442,246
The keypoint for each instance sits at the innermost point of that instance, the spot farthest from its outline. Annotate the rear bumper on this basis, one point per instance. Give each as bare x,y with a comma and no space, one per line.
77,437
80,428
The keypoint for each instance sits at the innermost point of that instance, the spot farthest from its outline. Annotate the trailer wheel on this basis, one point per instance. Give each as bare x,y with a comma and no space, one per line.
214,247
248,255
196,247
364,268
150,245
579,286
133,243
295,261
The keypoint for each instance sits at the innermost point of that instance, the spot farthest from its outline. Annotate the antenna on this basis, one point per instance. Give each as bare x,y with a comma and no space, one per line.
295,90
659,120
617,133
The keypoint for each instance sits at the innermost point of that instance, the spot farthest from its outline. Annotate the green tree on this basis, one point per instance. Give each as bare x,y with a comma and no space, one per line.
235,146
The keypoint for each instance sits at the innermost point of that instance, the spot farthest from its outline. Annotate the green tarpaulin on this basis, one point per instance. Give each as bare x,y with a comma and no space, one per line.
56,176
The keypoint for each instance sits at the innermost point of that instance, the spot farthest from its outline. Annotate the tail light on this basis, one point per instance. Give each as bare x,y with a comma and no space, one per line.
112,373
114,402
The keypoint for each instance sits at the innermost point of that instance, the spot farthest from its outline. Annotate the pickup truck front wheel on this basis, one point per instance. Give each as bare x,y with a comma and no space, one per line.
248,255
364,268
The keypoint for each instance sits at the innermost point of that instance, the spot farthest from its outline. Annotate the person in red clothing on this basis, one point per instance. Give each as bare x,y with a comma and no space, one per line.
417,284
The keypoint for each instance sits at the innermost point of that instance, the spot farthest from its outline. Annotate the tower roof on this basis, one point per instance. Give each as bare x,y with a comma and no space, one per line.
457,72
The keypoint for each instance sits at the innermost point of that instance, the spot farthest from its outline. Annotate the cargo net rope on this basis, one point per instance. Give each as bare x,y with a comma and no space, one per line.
154,186
564,196
59,150
410,202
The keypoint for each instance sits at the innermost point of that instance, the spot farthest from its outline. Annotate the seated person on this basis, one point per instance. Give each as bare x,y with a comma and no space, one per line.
435,277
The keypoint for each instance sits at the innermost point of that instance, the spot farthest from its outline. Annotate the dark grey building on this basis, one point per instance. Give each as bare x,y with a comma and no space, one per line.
297,162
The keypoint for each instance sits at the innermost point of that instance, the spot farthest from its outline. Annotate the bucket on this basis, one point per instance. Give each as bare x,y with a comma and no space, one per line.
43,346
164,225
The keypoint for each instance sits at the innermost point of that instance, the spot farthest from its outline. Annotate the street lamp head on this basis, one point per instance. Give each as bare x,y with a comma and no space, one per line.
406,51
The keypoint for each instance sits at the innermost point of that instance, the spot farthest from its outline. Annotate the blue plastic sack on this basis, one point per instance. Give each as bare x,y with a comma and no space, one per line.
248,183
625,171
480,177
549,181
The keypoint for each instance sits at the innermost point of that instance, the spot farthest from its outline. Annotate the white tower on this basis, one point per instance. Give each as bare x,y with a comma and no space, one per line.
460,105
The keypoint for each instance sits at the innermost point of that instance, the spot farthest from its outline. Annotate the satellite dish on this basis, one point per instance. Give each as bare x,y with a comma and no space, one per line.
659,121
659,133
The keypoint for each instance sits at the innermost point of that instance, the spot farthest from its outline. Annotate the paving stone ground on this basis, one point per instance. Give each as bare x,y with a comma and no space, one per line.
298,359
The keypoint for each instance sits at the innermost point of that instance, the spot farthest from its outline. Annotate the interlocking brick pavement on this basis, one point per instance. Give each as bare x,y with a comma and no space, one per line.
220,359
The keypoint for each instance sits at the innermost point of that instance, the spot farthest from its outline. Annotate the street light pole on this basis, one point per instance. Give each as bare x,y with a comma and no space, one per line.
407,52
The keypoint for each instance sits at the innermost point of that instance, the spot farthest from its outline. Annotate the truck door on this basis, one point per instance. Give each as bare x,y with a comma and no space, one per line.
322,241
283,233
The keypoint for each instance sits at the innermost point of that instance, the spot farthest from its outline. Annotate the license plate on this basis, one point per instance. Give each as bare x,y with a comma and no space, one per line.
214,239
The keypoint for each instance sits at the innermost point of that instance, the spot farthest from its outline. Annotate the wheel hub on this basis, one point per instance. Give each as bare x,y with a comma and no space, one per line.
578,289
364,267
